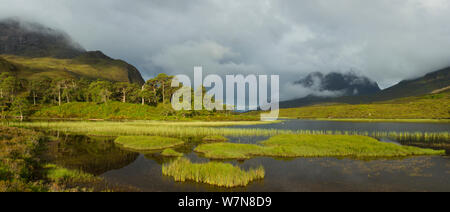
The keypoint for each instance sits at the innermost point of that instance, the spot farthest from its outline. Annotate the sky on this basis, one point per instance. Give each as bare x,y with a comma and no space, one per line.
385,40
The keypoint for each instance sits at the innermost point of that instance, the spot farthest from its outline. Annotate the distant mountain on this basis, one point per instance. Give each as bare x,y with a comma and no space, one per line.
430,83
348,84
420,86
33,50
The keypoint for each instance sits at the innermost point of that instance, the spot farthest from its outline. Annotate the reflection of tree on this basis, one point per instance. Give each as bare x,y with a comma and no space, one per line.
92,155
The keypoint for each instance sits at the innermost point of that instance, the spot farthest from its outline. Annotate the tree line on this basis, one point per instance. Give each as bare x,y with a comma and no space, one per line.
20,96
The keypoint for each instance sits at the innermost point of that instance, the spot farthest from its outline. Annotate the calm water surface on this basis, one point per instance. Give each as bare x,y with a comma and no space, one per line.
100,156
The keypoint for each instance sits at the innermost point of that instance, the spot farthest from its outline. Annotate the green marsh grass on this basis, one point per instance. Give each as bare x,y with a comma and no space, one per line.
147,143
171,153
291,145
213,173
60,174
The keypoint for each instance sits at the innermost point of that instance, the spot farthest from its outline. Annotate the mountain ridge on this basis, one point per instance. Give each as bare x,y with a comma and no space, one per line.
426,84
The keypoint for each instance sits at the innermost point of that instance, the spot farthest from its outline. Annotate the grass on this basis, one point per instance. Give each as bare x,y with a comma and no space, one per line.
60,174
171,153
312,146
214,138
213,173
432,106
202,129
147,143
151,128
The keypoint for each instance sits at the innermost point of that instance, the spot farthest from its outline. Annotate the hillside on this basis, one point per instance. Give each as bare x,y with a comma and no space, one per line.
30,50
431,106
88,65
420,86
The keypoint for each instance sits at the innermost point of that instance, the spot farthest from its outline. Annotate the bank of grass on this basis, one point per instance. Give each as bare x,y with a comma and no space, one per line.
432,106
127,111
202,129
60,174
147,143
312,146
151,128
171,153
214,138
19,164
213,173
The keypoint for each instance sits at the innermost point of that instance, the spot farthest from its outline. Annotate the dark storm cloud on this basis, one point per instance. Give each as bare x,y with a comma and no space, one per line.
386,40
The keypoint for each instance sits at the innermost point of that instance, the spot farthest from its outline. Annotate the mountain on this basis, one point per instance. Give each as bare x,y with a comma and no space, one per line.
430,83
35,40
420,86
348,84
31,50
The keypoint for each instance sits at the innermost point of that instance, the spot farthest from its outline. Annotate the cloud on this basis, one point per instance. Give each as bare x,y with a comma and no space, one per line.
385,40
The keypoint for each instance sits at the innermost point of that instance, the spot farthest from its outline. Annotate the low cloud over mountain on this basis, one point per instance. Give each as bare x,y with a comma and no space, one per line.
336,84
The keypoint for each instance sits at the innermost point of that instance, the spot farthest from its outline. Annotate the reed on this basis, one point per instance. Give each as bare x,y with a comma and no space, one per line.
202,129
213,173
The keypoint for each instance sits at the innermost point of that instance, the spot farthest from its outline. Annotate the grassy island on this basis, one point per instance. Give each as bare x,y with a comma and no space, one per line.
171,153
312,146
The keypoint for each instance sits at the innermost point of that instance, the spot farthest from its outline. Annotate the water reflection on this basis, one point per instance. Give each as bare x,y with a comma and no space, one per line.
100,156
95,155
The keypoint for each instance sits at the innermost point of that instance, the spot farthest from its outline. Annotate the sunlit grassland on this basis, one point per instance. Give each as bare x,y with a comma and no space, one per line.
147,143
409,109
202,129
52,67
213,173
312,146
